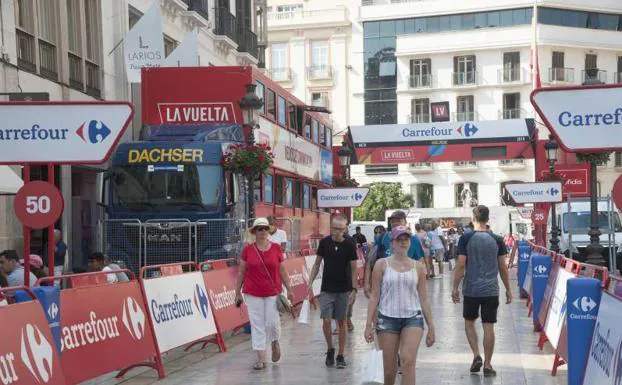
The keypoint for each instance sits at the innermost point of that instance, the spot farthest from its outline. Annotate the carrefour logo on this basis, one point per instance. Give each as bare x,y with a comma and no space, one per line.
97,132
53,310
36,353
469,130
201,301
133,319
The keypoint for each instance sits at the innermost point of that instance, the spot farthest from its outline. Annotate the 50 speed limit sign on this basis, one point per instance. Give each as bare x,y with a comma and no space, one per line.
38,204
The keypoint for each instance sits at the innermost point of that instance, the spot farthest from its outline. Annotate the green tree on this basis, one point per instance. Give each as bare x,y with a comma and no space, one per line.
382,196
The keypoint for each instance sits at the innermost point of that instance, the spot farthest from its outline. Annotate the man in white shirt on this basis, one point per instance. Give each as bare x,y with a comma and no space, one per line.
279,236
439,246
100,262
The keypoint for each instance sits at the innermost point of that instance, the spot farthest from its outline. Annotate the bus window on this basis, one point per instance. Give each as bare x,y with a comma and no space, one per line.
292,117
279,194
270,104
305,196
260,94
288,192
297,194
307,127
268,198
282,111
315,126
329,137
322,135
257,188
314,198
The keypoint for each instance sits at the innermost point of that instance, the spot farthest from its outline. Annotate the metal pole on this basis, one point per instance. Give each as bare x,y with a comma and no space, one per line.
51,241
26,179
251,187
554,239
594,249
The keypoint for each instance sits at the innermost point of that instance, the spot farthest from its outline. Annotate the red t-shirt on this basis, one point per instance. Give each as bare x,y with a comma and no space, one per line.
256,281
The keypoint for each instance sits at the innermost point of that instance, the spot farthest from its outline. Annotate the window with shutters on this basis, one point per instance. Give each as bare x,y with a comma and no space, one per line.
420,73
511,106
464,70
559,73
511,67
618,77
420,111
465,108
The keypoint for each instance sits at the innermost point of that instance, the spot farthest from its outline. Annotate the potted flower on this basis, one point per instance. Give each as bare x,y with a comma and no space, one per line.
345,182
248,159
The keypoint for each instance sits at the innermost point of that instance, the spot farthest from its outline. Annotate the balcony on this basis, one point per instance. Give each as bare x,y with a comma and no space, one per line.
617,77
199,6
467,116
420,81
465,165
593,76
321,17
225,24
247,41
511,113
48,64
381,169
511,75
76,76
558,74
512,164
26,51
421,168
322,72
419,118
281,74
465,78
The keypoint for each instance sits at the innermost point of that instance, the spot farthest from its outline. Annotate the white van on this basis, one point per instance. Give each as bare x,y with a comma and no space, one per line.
574,226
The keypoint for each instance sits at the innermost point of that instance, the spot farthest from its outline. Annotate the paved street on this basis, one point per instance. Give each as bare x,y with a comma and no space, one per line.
517,359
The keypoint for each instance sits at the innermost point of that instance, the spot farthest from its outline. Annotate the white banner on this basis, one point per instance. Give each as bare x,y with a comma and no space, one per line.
179,308
143,45
557,310
341,197
317,284
537,192
604,363
186,54
528,276
419,134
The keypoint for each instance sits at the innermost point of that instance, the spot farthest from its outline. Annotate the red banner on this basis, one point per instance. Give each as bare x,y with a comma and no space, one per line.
104,328
27,351
220,284
298,278
575,178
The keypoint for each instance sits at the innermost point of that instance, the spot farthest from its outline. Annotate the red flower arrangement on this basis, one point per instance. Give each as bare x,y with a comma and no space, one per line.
248,159
345,182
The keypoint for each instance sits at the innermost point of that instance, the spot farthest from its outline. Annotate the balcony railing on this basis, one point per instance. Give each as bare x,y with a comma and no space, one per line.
419,118
465,164
558,74
510,75
594,75
617,77
26,51
93,87
247,41
226,24
48,62
300,16
511,113
76,77
420,81
465,78
512,163
320,72
420,167
281,74
464,116
199,6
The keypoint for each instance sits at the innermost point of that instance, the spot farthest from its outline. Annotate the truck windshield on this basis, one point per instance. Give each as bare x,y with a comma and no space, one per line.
171,187
580,221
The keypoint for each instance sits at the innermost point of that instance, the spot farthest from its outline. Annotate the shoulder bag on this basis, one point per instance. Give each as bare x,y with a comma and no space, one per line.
282,303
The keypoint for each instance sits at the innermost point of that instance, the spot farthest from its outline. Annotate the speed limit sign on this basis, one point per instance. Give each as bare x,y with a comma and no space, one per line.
38,204
539,217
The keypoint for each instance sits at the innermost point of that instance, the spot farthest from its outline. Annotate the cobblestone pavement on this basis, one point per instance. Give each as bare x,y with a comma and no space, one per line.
517,359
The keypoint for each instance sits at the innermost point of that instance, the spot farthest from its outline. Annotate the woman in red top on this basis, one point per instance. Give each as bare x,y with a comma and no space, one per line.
260,277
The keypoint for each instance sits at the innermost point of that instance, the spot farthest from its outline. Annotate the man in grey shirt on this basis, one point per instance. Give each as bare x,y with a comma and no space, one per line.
481,256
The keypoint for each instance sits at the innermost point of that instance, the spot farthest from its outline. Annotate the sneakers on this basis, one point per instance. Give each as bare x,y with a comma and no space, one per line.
477,364
489,372
330,357
341,362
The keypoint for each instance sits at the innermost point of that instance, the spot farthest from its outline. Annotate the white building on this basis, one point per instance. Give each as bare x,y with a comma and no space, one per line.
72,50
475,55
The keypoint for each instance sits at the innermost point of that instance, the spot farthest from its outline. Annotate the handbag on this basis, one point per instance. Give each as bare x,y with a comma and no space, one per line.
282,303
373,367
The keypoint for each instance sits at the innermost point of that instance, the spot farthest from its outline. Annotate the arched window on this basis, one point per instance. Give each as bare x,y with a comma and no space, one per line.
465,194
423,194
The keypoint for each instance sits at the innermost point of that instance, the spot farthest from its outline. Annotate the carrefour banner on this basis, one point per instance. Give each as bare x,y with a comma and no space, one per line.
179,308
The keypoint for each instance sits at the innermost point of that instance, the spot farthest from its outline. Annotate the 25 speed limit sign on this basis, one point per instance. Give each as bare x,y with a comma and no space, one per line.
539,217
38,204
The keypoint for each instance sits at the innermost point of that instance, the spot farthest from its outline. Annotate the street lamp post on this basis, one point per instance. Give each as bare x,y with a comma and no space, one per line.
345,155
550,148
250,104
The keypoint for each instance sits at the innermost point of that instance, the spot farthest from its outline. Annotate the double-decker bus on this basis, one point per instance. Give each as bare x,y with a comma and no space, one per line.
168,197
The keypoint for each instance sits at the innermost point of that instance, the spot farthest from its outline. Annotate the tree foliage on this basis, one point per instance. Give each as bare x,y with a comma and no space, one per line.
382,196
599,158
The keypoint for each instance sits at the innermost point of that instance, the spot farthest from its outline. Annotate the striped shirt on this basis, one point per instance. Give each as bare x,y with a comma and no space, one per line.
398,293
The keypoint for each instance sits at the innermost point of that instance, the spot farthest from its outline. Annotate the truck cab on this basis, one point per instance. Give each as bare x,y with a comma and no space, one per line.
573,222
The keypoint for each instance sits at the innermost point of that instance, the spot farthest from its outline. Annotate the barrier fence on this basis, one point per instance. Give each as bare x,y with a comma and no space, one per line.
93,327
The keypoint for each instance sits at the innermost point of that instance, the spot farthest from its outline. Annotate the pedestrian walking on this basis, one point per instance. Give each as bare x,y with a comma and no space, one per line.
260,276
481,256
338,285
399,300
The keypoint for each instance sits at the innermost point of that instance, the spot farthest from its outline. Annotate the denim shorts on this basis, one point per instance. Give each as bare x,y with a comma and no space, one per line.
395,325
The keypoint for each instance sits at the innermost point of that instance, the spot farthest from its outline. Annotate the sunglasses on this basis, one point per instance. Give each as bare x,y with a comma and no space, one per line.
262,228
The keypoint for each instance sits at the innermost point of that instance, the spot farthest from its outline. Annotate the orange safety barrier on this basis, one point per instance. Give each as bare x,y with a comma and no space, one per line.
298,277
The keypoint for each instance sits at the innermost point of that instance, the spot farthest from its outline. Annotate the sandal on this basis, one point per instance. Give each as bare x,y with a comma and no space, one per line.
350,327
477,364
259,366
489,372
276,351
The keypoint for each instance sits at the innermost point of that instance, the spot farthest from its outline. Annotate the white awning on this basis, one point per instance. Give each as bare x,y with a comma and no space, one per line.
10,182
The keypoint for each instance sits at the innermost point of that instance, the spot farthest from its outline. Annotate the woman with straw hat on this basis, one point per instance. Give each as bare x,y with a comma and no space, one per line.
261,275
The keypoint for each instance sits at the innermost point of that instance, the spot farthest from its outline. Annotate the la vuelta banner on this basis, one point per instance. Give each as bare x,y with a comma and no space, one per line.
27,352
298,278
103,328
220,284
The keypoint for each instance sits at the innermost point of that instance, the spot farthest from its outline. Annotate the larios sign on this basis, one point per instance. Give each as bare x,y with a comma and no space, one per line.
179,308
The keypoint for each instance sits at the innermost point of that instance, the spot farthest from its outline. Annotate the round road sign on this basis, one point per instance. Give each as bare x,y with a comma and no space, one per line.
38,204
616,193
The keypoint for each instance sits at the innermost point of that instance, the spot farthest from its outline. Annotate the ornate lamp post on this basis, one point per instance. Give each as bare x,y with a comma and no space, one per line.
345,154
551,148
250,104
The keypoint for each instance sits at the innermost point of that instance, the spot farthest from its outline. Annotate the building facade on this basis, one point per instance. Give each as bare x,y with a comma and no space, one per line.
72,50
474,55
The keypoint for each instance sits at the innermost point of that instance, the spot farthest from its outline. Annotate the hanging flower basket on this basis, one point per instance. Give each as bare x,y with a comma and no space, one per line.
599,158
345,182
248,159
